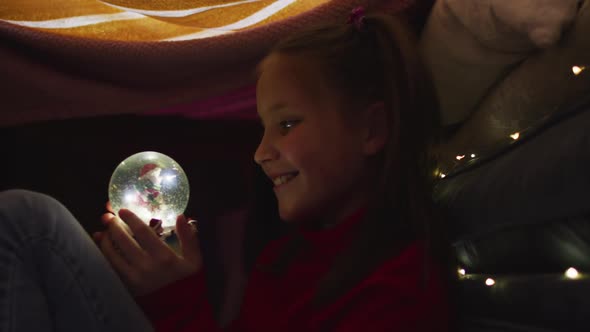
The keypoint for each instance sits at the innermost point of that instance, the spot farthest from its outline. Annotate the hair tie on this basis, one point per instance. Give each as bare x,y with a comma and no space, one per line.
357,16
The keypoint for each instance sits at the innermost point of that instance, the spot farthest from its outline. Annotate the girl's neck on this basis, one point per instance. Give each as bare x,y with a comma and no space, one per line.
340,209
328,221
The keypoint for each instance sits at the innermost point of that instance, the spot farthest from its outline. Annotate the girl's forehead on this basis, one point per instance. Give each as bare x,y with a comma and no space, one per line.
291,75
291,67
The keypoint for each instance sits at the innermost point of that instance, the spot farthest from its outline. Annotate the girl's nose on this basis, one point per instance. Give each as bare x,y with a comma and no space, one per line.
265,151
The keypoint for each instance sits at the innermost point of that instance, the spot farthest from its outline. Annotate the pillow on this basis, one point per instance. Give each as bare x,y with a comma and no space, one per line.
470,45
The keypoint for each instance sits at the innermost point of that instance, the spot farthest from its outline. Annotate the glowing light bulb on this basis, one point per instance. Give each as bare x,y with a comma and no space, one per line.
473,155
460,157
577,69
129,197
515,136
169,178
571,273
461,272
490,282
442,175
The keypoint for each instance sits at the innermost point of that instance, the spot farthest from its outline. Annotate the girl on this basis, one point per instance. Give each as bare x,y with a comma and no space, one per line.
348,115
348,238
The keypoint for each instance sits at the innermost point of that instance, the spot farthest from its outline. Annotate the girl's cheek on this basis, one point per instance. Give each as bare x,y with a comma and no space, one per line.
291,144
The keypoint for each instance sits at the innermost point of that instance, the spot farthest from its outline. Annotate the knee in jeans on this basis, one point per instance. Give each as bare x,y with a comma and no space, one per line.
27,207
19,193
22,198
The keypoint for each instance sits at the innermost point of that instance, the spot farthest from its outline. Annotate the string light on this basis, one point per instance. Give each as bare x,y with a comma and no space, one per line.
461,272
571,273
490,282
515,136
577,69
460,157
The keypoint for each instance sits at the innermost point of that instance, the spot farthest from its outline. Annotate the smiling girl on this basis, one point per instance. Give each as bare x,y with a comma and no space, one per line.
349,114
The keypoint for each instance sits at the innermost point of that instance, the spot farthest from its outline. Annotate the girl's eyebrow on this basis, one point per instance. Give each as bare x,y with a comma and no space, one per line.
276,108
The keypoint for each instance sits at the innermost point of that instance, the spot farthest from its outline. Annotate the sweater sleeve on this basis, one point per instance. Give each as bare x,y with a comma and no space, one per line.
180,306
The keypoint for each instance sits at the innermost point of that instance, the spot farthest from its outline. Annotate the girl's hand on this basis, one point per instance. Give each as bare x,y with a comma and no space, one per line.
143,261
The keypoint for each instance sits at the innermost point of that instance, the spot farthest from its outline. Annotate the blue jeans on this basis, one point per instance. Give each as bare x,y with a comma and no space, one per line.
52,275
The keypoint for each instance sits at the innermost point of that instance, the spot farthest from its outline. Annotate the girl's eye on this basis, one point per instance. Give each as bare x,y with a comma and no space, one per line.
287,125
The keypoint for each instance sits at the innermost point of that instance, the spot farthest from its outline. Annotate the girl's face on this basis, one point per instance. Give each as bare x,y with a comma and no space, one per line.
314,155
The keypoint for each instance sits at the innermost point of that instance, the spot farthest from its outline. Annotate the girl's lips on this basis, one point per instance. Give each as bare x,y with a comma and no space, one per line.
282,185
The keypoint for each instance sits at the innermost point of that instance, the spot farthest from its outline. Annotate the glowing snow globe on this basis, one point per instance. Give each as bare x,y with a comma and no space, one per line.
153,186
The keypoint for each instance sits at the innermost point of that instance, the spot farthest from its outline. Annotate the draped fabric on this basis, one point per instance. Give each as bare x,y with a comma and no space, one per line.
78,58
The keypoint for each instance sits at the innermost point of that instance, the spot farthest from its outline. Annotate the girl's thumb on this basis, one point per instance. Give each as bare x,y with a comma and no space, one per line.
188,239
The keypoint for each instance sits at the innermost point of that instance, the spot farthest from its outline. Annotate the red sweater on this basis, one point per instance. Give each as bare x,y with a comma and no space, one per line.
391,298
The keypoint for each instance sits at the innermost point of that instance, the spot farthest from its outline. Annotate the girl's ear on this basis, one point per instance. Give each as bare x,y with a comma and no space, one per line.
376,129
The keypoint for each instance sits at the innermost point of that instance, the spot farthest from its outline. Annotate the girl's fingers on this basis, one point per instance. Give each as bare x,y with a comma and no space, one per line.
107,218
144,235
125,242
115,257
97,237
189,241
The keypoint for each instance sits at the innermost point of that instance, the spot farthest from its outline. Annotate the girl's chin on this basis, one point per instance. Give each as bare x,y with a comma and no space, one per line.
293,215
288,214
286,217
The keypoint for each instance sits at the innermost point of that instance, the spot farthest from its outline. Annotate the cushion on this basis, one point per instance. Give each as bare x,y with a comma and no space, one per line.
539,86
471,45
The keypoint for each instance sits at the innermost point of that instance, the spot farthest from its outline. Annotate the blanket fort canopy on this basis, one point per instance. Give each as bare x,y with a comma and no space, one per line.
79,58
141,20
